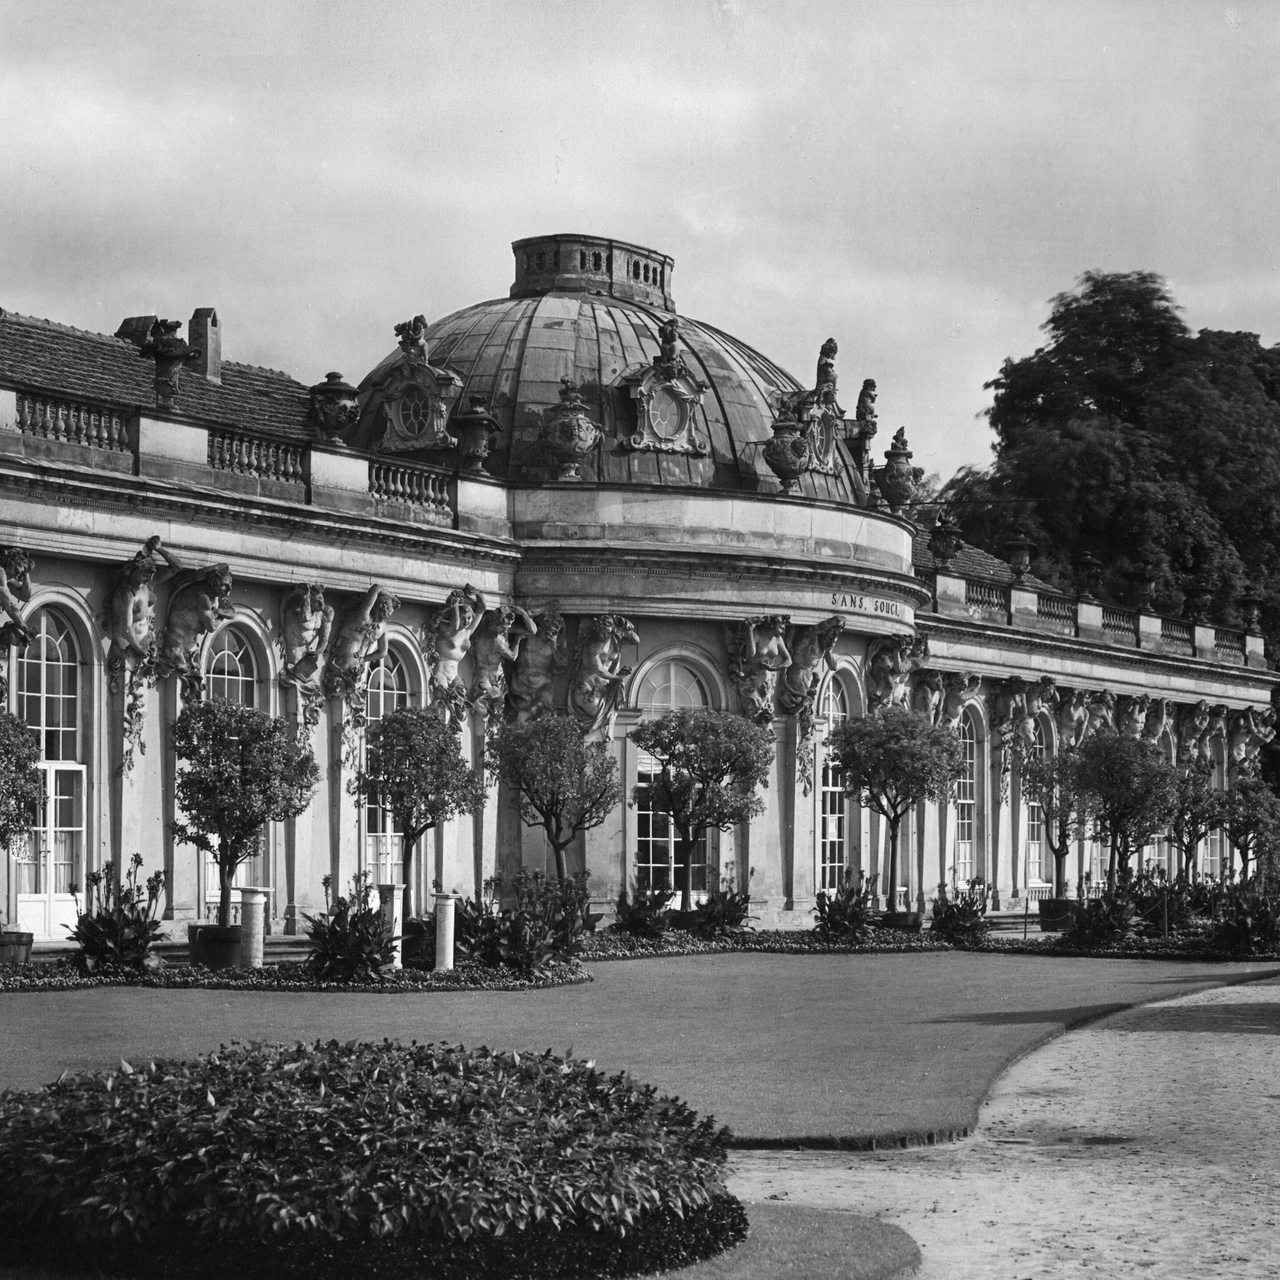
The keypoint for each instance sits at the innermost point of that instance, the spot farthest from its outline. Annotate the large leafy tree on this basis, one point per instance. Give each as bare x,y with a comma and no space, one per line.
21,783
241,768
1129,789
1198,808
1251,820
565,785
414,767
1051,781
1128,437
894,761
711,766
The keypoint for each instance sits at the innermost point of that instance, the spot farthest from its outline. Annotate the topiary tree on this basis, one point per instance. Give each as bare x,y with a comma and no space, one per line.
1130,789
711,765
894,761
241,768
21,783
1251,819
1198,808
566,784
1051,782
414,767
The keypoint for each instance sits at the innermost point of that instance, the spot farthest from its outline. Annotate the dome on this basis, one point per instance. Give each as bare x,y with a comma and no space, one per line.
591,310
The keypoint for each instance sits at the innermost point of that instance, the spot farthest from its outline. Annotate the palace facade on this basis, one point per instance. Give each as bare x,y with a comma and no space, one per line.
640,508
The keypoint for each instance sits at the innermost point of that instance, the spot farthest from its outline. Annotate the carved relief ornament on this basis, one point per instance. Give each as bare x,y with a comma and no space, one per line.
666,395
595,689
757,650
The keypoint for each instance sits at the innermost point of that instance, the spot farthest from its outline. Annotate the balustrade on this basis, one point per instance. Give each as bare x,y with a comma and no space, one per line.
1228,645
988,596
419,487
1120,622
246,455
90,426
1177,636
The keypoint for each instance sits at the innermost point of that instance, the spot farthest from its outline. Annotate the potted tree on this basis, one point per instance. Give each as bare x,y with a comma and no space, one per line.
711,765
241,769
1050,782
414,767
566,785
21,789
893,761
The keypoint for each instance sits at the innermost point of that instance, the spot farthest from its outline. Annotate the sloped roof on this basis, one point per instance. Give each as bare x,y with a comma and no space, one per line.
60,360
970,562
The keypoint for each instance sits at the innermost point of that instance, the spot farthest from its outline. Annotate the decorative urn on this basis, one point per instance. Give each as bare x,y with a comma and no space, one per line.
898,478
944,540
1088,575
1197,593
473,429
334,406
567,434
789,452
1018,551
1250,607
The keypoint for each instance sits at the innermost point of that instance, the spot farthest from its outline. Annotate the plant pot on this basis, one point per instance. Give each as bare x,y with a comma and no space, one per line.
1056,914
15,946
903,921
214,946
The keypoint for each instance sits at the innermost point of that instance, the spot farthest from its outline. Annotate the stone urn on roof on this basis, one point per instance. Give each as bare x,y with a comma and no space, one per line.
898,479
566,433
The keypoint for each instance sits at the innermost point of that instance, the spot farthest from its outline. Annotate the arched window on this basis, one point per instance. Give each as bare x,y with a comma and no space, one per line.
389,691
966,802
230,670
49,694
667,686
1039,859
833,802
1216,858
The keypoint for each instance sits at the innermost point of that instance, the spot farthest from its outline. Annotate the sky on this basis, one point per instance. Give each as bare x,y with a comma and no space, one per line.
917,180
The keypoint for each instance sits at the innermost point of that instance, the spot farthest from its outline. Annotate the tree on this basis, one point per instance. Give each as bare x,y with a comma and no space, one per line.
711,765
414,767
1051,782
566,785
241,769
1129,788
1251,819
894,761
1198,808
21,782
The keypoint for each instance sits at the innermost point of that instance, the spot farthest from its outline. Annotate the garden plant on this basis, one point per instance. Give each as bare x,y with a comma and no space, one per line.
847,914
21,782
960,916
351,941
645,912
118,925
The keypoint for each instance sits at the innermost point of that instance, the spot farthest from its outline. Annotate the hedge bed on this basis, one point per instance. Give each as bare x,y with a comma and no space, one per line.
361,1160
291,976
610,944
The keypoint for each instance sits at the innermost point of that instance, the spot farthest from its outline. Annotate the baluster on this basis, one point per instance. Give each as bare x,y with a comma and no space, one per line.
42,408
24,414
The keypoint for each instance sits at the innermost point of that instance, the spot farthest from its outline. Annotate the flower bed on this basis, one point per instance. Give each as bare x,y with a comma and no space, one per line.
291,976
1196,947
612,944
361,1160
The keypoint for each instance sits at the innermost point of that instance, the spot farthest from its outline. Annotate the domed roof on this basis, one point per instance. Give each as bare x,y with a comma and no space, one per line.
595,320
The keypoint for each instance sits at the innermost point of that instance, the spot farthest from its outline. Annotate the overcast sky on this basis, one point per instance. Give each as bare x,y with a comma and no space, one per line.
914,179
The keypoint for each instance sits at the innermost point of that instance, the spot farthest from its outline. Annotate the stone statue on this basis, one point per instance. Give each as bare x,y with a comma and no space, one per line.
595,689
542,657
926,697
196,607
1101,710
411,337
865,413
170,353
306,623
446,638
957,688
1251,730
1193,724
669,362
497,641
15,591
1157,720
133,608
810,648
1073,717
757,651
1215,731
1131,714
359,641
890,662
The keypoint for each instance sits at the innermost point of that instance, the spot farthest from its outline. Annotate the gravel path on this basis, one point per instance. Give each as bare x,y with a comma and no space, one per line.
1147,1145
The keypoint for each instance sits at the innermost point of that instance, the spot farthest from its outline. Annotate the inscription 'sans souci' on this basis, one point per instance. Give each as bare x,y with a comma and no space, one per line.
865,604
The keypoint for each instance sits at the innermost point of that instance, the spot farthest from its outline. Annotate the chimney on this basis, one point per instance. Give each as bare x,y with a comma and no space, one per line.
204,334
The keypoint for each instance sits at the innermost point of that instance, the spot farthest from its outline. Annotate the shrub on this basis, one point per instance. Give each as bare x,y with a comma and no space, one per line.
1249,920
351,941
723,913
846,914
646,913
362,1160
961,919
1160,901
547,921
118,925
1104,921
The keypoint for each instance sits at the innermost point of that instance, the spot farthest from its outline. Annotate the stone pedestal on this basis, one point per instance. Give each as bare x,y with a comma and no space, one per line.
391,905
446,905
253,904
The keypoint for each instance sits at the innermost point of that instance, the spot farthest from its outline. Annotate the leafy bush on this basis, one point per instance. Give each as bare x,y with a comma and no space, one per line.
1102,922
846,914
118,925
646,913
1249,921
962,919
362,1160
723,913
547,921
1160,901
351,941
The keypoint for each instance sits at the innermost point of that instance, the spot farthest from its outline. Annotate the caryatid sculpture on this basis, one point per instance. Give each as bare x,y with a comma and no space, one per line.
15,592
757,652
1073,717
1193,722
595,689
359,641
542,656
957,688
890,662
306,623
1250,731
196,608
446,637
810,649
927,695
497,641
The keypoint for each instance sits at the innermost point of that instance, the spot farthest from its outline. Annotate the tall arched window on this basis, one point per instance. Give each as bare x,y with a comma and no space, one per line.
389,691
49,702
1039,860
668,686
833,803
966,802
1216,857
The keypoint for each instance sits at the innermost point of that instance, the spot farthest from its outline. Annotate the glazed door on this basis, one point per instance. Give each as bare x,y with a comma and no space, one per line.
51,865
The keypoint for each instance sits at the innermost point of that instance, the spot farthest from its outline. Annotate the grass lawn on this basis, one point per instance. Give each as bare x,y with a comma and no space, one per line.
786,1050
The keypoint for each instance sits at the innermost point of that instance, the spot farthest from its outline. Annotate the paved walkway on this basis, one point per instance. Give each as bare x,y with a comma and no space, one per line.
1147,1145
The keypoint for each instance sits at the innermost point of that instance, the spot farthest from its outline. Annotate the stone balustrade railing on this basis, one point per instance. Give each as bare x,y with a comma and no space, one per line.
88,425
246,455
